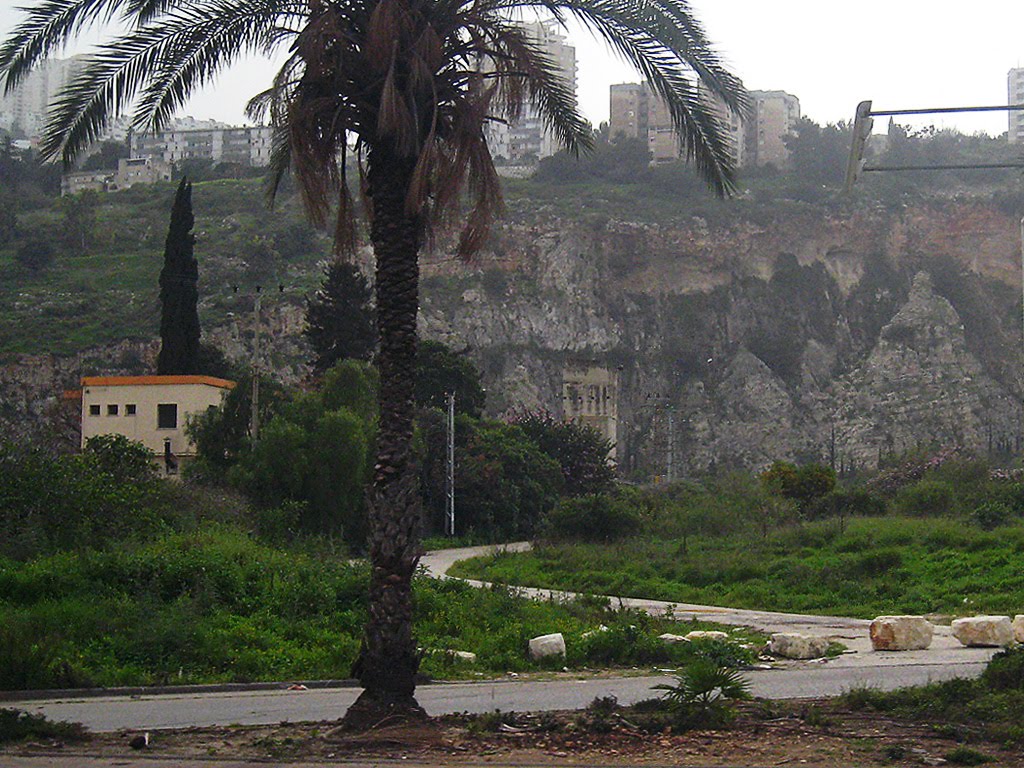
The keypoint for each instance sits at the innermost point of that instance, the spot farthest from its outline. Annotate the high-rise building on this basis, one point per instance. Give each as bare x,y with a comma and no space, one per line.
526,139
775,114
636,111
25,109
1015,95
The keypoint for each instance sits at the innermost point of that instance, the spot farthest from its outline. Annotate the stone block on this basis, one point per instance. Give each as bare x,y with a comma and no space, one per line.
467,656
547,645
706,635
983,631
671,639
901,633
793,645
1018,627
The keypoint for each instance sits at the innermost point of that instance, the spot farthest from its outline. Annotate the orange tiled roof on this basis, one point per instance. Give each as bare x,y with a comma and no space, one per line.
134,381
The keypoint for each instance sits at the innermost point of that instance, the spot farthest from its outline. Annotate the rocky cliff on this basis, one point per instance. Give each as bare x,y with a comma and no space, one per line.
792,331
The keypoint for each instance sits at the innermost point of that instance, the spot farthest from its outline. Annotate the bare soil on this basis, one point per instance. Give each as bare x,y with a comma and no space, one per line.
807,733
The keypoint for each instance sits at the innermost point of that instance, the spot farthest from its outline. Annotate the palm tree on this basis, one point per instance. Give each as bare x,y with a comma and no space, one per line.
400,90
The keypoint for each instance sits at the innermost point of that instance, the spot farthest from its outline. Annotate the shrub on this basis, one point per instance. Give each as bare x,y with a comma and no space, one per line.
1005,672
927,498
16,725
990,515
580,450
703,693
123,459
596,517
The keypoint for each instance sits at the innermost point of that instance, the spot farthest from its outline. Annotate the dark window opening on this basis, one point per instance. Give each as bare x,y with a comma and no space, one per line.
129,410
167,416
94,410
111,410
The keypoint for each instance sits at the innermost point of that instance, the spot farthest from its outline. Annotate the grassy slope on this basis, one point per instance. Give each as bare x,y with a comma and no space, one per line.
878,566
112,293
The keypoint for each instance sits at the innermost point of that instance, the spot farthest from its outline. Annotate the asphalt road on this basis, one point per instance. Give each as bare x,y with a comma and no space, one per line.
862,667
264,707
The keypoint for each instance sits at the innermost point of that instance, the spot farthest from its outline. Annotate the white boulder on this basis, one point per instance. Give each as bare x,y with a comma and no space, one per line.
671,639
901,633
698,634
591,632
983,631
547,645
1018,627
793,645
467,656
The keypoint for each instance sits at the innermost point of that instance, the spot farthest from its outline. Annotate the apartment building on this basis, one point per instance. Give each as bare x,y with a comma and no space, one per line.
129,173
1015,95
249,146
775,113
24,110
526,139
636,111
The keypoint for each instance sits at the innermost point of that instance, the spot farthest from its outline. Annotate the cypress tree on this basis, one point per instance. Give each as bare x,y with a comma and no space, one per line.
179,292
339,318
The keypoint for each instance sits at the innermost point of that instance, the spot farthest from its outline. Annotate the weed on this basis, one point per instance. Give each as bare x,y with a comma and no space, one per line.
966,756
16,725
703,693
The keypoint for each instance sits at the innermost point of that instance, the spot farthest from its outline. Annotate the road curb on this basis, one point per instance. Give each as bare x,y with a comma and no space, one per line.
167,690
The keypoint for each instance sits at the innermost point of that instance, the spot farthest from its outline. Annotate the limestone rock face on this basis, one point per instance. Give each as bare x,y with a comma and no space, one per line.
793,645
547,645
983,631
1018,628
901,633
706,635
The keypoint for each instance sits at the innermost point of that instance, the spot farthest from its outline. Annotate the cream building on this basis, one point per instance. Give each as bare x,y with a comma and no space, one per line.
590,396
153,410
129,173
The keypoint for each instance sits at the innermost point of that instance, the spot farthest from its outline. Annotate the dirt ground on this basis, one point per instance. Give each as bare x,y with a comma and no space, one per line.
807,733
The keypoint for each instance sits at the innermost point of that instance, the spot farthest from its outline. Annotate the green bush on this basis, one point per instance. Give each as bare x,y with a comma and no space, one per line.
990,515
597,517
1005,671
926,498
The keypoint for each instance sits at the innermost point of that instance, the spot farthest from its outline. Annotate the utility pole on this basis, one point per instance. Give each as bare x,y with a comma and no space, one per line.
254,415
449,525
670,448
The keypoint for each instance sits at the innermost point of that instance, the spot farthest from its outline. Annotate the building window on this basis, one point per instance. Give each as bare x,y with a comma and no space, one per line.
129,409
111,410
94,410
167,416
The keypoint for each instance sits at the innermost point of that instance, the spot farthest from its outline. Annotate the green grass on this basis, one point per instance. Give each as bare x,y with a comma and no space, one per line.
214,605
961,709
876,566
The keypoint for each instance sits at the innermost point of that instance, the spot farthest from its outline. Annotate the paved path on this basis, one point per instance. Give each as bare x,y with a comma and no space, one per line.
863,668
853,633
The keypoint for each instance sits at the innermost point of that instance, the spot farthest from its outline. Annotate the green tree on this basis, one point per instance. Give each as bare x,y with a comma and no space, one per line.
79,220
106,156
339,318
399,83
580,450
179,291
35,254
441,370
8,216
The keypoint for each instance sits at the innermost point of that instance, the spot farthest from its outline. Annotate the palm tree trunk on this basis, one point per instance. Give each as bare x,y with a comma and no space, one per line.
388,660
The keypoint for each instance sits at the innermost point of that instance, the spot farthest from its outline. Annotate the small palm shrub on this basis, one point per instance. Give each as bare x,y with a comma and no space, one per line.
703,694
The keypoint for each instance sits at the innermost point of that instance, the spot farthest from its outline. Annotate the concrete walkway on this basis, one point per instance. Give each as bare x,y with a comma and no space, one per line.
853,633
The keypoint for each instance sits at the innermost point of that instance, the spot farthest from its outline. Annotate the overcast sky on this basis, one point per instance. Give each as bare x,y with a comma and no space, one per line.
831,54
